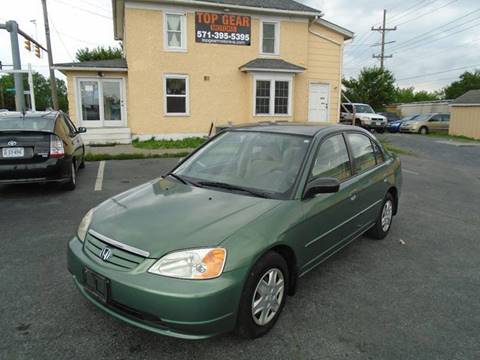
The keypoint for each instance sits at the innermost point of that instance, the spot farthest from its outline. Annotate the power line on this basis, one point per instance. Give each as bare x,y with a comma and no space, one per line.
424,35
438,72
83,9
61,40
427,13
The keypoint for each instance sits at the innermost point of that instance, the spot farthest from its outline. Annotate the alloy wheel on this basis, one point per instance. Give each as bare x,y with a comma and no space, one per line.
387,214
268,297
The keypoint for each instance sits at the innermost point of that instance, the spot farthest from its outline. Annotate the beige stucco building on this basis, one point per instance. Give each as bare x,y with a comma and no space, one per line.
465,115
190,64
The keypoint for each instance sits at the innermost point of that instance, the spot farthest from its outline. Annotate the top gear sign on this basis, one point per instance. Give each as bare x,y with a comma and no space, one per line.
226,29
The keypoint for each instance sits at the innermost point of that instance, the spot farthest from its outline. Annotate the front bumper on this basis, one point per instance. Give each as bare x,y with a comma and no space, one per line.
51,170
373,125
187,309
409,129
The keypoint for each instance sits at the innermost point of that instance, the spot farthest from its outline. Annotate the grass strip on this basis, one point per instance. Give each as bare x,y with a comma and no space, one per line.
187,143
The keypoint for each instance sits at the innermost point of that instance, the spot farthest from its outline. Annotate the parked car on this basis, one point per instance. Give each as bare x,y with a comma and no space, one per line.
365,117
426,123
394,126
218,243
391,116
40,147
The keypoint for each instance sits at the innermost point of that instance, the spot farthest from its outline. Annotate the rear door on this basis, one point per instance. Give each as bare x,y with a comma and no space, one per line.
445,122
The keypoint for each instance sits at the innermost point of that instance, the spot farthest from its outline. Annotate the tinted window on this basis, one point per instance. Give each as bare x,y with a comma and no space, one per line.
446,117
347,107
70,126
362,151
378,153
436,118
18,123
332,159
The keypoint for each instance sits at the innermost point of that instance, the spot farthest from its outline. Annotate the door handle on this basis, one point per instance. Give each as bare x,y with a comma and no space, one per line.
353,196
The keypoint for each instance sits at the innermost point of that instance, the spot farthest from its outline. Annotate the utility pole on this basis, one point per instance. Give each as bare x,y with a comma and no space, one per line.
383,29
53,82
12,27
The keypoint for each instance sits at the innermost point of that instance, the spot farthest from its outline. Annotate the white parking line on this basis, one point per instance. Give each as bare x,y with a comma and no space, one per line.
99,182
410,172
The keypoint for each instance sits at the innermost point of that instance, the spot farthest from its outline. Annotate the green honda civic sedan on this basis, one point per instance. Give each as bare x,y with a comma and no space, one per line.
219,243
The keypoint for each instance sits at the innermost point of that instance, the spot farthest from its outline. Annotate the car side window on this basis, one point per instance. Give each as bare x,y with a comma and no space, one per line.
436,118
446,117
70,124
362,152
378,153
332,159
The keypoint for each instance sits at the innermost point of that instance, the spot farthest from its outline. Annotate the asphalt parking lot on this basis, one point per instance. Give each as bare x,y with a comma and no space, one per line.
414,295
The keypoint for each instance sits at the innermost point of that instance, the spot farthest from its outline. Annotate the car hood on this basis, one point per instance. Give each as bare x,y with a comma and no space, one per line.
163,216
371,116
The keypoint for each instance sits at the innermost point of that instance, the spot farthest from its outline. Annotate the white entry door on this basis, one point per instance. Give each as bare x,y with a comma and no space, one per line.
318,102
101,102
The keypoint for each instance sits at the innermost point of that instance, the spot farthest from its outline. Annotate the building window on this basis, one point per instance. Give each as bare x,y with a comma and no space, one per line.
175,32
273,96
270,37
263,97
176,95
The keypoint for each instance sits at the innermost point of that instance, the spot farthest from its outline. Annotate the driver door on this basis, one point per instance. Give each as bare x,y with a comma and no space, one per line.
327,224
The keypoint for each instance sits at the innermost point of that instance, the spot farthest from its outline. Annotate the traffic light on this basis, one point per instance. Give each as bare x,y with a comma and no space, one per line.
37,51
27,44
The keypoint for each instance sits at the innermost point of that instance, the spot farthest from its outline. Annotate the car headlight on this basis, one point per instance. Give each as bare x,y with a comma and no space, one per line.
84,224
365,118
196,264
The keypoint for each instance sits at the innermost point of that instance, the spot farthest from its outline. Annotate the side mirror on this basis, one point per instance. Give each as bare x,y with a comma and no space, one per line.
82,130
321,186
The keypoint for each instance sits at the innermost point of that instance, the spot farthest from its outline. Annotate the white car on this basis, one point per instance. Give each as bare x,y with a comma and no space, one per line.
365,117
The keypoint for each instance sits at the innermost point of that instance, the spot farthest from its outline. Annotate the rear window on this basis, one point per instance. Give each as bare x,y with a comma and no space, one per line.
18,123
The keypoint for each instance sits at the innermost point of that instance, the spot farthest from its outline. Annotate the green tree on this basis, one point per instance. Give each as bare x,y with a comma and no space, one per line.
43,98
468,81
99,53
373,86
409,95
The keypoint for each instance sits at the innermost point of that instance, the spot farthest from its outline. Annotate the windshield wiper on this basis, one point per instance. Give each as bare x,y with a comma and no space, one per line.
183,180
226,186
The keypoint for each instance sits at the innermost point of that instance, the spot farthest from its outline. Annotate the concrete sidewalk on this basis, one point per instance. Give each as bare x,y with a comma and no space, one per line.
130,149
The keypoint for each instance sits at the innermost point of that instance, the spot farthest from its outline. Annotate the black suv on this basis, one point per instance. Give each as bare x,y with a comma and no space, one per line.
40,147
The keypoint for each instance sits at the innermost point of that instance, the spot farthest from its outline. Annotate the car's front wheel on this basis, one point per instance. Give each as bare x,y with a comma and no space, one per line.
384,220
423,130
263,296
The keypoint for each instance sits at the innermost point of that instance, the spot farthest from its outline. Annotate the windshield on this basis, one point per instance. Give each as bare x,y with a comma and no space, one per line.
422,117
19,123
364,109
265,162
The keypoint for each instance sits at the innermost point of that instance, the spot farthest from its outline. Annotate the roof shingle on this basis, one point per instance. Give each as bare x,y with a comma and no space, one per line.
288,5
272,65
470,97
108,64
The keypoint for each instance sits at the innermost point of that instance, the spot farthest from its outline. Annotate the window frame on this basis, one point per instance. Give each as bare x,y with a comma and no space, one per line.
276,46
273,78
186,96
352,157
183,29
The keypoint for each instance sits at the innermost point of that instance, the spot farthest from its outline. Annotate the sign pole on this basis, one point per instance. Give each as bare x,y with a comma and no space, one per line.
30,85
12,28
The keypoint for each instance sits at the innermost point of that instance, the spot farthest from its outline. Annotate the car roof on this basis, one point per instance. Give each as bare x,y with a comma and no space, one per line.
29,115
304,129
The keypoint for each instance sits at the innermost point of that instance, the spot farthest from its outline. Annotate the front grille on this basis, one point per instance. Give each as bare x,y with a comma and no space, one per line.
377,119
120,259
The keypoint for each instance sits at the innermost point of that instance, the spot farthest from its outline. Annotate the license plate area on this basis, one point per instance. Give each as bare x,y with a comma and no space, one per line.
13,152
96,285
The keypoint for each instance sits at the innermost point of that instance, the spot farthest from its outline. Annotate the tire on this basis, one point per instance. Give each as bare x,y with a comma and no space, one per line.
423,130
358,123
380,131
253,325
72,182
382,225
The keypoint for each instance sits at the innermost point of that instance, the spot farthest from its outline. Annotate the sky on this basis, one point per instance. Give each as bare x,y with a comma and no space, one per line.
435,40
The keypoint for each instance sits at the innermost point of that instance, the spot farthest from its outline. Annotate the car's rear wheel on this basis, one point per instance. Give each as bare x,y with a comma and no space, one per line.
423,130
72,181
384,220
263,296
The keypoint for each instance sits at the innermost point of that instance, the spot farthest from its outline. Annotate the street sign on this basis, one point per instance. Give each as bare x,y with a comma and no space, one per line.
11,90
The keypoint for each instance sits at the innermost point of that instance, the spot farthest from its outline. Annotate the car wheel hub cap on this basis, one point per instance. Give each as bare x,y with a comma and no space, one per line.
387,213
268,297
